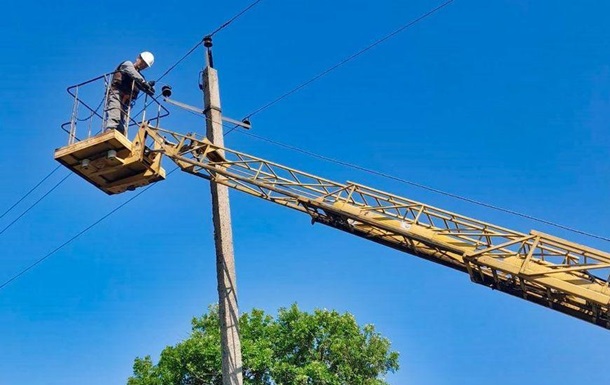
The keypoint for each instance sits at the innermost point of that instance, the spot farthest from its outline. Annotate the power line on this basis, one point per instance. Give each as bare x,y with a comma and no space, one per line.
30,267
180,61
29,192
224,25
35,203
349,58
234,18
428,188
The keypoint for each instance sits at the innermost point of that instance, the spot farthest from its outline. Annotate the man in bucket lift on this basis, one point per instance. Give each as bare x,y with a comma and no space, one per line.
126,83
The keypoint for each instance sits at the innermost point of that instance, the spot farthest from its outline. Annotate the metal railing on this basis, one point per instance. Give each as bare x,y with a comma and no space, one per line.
95,118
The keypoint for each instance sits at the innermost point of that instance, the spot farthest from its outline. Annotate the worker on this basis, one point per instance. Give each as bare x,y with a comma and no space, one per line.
126,83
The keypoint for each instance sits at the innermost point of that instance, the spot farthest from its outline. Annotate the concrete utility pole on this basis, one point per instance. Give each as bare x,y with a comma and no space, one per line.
223,235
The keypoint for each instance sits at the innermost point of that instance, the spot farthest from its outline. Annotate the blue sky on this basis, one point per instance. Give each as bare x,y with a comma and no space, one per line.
506,102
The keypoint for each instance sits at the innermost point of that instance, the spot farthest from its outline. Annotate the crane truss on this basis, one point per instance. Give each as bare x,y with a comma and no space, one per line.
549,271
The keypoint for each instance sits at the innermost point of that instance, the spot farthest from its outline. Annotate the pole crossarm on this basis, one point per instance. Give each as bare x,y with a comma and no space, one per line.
540,268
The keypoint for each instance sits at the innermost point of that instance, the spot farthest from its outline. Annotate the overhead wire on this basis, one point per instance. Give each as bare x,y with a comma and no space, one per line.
344,61
424,187
231,20
35,203
180,60
220,28
30,191
350,58
37,262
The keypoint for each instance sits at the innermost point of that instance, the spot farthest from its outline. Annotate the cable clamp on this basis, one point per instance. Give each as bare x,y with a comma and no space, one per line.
211,108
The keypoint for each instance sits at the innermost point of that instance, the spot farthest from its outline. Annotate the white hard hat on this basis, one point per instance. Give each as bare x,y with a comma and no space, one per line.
148,58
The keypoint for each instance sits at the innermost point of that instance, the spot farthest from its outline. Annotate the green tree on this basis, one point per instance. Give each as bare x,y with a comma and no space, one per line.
296,348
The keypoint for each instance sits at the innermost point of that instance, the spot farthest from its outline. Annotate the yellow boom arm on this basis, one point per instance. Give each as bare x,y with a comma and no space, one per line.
537,267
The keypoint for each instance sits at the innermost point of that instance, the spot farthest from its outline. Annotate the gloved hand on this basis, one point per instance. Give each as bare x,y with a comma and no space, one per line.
148,88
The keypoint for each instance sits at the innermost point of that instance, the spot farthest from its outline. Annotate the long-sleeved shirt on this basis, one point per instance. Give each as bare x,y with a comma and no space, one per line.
124,78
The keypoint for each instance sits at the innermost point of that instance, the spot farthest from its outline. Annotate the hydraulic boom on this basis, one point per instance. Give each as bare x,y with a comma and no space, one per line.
537,267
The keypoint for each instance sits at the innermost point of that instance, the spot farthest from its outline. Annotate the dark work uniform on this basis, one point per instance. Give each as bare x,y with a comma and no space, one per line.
124,88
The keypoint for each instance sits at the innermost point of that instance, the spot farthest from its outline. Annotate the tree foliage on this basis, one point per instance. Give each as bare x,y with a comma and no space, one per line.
296,348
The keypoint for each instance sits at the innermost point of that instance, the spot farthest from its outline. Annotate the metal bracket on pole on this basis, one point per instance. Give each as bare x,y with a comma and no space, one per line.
244,123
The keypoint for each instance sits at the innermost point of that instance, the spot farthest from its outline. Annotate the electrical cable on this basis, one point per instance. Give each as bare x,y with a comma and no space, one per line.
224,25
234,18
349,58
29,192
428,188
231,129
35,203
37,262
180,61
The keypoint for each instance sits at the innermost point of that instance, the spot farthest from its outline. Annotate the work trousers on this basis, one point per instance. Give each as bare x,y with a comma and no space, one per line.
116,112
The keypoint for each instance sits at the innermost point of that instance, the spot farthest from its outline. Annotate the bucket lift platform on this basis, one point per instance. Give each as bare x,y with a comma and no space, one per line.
112,163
